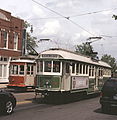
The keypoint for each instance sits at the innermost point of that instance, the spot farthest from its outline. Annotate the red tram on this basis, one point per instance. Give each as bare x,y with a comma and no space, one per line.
22,74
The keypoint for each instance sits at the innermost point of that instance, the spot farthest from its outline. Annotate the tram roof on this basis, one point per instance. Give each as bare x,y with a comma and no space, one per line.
23,60
69,55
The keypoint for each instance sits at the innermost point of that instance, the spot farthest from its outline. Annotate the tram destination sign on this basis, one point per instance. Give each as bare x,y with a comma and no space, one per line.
50,56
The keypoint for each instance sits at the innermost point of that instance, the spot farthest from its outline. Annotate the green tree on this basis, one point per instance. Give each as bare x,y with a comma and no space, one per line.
86,49
111,61
115,17
30,40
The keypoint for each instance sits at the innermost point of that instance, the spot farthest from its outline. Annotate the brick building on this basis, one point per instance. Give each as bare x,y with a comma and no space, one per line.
10,42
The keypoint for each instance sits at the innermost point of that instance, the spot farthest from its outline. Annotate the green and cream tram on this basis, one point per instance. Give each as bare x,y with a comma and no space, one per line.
61,71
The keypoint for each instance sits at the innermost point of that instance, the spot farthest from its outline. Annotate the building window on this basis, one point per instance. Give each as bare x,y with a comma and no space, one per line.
5,39
3,59
3,71
15,41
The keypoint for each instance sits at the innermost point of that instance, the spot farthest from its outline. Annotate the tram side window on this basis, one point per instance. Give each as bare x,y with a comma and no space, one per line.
30,69
67,68
41,66
21,72
15,69
47,67
80,68
99,73
77,68
56,66
90,70
86,69
38,68
73,67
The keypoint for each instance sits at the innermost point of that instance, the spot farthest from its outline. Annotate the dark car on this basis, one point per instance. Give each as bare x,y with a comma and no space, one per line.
7,102
108,98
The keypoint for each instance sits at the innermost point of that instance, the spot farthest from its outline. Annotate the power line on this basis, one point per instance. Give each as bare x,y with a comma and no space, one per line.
95,12
109,36
68,18
48,8
81,27
82,14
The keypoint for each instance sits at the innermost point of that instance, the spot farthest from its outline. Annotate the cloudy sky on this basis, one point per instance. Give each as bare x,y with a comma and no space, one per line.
87,18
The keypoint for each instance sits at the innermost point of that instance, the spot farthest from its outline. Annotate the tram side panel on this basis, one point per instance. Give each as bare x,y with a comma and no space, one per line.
16,81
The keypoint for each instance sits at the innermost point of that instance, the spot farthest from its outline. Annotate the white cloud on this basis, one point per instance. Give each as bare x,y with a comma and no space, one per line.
38,11
50,28
63,30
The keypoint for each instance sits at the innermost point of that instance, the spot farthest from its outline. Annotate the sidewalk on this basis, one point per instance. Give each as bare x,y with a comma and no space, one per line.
3,86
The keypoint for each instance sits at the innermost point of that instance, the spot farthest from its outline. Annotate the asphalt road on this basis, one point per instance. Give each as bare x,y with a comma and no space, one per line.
87,109
25,97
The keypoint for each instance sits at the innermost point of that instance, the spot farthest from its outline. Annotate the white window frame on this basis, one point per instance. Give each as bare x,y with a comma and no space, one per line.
31,73
6,39
50,73
4,71
18,74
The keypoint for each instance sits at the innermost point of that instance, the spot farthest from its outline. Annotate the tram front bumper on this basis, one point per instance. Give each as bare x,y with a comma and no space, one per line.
48,91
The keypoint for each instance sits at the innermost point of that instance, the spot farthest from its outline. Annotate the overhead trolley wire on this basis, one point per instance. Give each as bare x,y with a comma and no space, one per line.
88,13
68,18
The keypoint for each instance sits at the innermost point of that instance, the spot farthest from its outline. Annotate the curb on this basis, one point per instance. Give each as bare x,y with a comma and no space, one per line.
23,102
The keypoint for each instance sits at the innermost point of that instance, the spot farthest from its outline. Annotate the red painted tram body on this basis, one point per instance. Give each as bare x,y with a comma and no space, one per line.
22,74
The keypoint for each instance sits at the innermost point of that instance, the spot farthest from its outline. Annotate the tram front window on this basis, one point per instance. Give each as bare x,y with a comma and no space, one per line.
47,67
15,69
56,66
21,70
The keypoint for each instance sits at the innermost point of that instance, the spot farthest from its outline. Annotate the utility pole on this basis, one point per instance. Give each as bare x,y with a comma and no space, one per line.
24,42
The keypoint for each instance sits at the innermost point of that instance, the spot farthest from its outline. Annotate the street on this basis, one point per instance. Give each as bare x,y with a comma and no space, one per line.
86,109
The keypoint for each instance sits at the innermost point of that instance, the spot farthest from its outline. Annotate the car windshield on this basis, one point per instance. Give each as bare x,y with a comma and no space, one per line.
110,84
